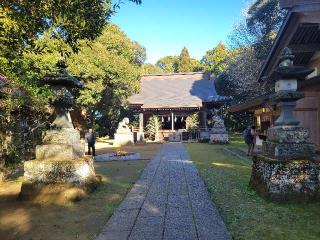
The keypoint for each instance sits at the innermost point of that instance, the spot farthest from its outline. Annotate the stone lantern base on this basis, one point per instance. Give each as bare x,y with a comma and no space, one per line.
66,180
288,143
219,138
286,181
121,139
219,134
60,172
287,170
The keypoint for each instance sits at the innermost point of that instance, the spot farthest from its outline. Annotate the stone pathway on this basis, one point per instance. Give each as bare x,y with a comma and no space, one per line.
169,201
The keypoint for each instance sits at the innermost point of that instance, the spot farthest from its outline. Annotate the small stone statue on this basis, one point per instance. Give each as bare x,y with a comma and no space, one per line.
123,126
123,135
218,122
218,134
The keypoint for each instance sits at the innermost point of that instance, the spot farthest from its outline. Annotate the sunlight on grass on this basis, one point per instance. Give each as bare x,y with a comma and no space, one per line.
227,165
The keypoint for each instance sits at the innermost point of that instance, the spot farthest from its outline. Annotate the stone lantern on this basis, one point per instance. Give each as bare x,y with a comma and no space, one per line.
287,170
218,133
60,161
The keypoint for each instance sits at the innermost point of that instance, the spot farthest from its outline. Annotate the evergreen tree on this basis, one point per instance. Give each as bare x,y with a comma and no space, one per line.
185,63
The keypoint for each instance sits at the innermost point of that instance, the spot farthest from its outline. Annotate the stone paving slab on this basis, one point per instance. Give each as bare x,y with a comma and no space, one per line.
169,201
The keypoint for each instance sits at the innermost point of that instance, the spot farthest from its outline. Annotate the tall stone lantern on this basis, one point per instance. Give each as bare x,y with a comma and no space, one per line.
60,162
287,169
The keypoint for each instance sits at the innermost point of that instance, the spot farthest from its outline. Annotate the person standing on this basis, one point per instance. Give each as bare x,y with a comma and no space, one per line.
249,138
90,138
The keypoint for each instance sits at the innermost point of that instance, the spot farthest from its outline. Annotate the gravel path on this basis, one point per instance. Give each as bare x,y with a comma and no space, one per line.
169,201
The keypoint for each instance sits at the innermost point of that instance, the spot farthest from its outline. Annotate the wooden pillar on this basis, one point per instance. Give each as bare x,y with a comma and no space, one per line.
140,137
203,118
172,121
140,122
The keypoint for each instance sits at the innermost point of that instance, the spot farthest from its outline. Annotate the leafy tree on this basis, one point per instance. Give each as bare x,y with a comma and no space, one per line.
215,59
110,69
192,121
181,63
239,79
252,39
168,64
22,22
263,22
149,68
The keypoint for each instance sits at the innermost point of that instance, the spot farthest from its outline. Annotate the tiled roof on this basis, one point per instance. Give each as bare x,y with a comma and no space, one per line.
183,90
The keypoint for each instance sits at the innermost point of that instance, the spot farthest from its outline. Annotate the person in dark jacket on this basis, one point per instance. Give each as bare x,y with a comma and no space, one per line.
250,138
90,138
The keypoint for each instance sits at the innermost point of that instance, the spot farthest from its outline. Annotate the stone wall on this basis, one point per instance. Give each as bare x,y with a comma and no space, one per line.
285,181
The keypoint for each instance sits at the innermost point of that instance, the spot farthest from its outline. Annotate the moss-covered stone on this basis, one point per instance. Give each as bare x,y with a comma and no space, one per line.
59,171
286,181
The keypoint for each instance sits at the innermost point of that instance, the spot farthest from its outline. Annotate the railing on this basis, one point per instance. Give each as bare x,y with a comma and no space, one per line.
191,135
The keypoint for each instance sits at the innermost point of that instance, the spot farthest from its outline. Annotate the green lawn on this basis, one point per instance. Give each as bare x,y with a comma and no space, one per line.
237,141
246,215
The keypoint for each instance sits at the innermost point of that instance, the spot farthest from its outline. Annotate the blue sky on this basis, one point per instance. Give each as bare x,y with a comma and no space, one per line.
164,27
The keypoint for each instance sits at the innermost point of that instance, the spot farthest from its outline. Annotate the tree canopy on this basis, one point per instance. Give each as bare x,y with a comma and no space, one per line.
149,68
110,69
263,22
181,63
168,64
215,59
251,41
22,22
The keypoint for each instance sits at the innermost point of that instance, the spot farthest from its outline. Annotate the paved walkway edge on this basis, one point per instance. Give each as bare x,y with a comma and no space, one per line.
169,201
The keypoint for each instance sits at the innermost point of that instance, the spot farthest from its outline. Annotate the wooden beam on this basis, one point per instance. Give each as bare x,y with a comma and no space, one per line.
289,28
311,17
300,5
305,48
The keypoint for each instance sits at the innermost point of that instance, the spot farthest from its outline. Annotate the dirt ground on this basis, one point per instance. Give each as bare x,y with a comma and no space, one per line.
146,150
81,220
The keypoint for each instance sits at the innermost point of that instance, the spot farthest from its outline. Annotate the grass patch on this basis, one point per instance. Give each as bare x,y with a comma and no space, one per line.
237,141
246,215
82,220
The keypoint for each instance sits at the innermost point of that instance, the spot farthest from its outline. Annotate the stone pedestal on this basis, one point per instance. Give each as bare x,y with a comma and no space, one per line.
60,144
175,137
59,169
78,171
123,138
288,143
58,181
60,172
204,135
286,170
219,134
286,181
